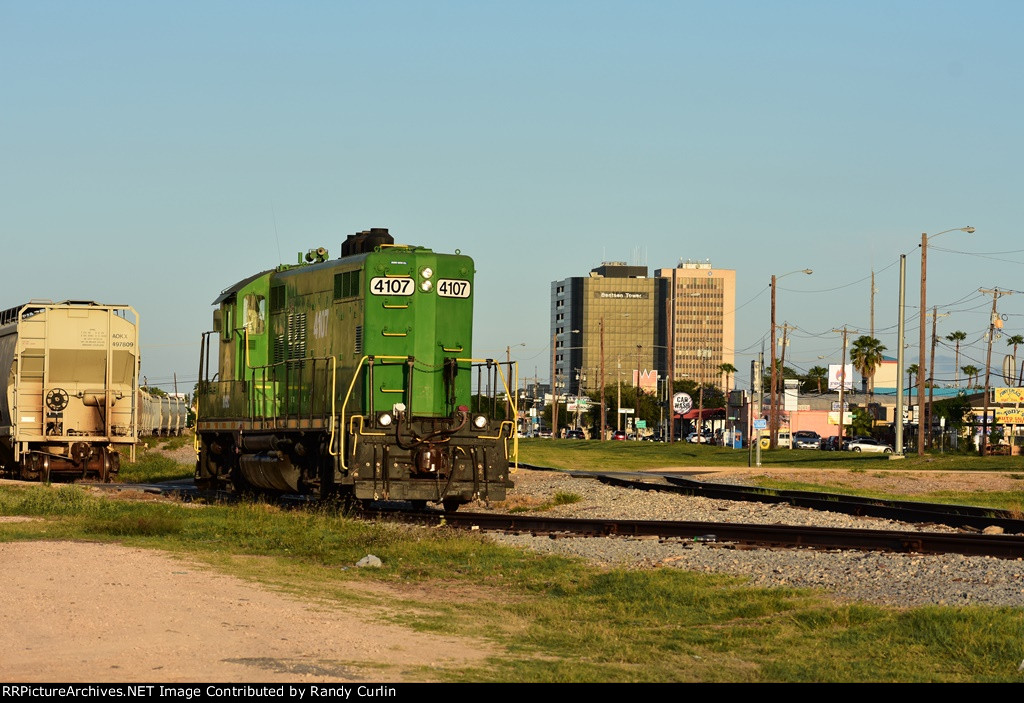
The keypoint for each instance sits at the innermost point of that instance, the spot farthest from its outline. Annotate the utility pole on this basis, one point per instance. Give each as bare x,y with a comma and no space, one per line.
993,324
618,402
604,422
554,388
901,325
671,381
931,374
773,425
638,348
842,384
782,368
757,388
872,303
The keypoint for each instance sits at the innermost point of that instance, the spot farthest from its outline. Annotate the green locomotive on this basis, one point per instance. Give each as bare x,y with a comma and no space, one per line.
354,377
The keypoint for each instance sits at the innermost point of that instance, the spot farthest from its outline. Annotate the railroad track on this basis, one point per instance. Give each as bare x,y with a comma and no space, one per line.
1009,545
957,516
722,534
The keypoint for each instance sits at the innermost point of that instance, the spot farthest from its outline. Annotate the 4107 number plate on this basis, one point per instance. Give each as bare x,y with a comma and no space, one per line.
453,288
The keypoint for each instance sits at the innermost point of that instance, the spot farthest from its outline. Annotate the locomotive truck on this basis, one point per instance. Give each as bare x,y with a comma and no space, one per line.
354,377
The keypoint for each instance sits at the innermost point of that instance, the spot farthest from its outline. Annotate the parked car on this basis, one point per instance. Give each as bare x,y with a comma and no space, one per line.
806,439
656,437
619,435
785,440
699,438
575,434
831,444
867,444
544,432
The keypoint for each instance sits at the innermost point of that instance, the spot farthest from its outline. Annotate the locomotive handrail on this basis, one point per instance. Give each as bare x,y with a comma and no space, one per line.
512,400
344,405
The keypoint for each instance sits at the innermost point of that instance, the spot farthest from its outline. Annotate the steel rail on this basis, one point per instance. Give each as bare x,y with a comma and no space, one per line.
764,536
960,516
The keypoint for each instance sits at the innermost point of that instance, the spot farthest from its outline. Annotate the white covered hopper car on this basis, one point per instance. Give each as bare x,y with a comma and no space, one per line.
69,374
161,416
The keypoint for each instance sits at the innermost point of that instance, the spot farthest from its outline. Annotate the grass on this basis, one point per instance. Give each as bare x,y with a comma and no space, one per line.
552,619
151,465
633,456
1001,500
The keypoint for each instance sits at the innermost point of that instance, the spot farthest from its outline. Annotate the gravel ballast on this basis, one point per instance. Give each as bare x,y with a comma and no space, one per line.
874,577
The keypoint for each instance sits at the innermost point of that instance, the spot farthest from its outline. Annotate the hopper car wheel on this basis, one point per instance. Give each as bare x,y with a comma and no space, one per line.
57,399
451,504
419,504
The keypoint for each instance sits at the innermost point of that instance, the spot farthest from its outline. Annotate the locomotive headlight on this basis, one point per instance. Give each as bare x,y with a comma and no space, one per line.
385,419
427,272
479,421
426,286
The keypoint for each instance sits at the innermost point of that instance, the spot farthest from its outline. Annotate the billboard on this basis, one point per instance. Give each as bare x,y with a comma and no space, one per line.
840,374
648,381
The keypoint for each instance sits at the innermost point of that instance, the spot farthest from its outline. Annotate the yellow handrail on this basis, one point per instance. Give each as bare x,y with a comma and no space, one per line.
512,400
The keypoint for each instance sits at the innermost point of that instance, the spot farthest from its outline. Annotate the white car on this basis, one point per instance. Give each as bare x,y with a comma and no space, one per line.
696,438
868,445
784,441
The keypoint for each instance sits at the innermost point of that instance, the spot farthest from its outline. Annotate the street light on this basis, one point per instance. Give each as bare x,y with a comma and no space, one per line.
773,423
924,306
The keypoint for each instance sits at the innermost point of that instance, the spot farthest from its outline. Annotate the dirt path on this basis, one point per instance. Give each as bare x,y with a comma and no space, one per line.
85,612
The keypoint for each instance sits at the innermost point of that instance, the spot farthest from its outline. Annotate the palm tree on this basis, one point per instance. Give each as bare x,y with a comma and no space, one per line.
866,355
971,372
957,337
816,375
1015,340
726,369
911,372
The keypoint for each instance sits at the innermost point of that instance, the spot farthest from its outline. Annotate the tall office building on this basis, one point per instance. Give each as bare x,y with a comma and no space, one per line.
700,310
617,306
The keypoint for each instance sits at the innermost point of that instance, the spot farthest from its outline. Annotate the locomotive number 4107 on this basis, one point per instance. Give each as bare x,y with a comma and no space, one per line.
391,286
452,288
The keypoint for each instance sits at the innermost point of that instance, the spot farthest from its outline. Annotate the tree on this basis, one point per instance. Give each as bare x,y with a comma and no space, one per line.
861,422
727,370
866,355
1016,340
957,337
971,372
911,373
781,373
816,375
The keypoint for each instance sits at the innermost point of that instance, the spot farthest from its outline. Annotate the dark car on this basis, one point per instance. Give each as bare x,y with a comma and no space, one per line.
575,434
806,439
830,444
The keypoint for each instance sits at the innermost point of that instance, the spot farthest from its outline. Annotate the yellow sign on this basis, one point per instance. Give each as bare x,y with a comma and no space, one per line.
833,418
1010,416
1009,395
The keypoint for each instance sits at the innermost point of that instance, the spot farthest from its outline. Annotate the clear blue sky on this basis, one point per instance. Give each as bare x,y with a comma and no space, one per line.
155,153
